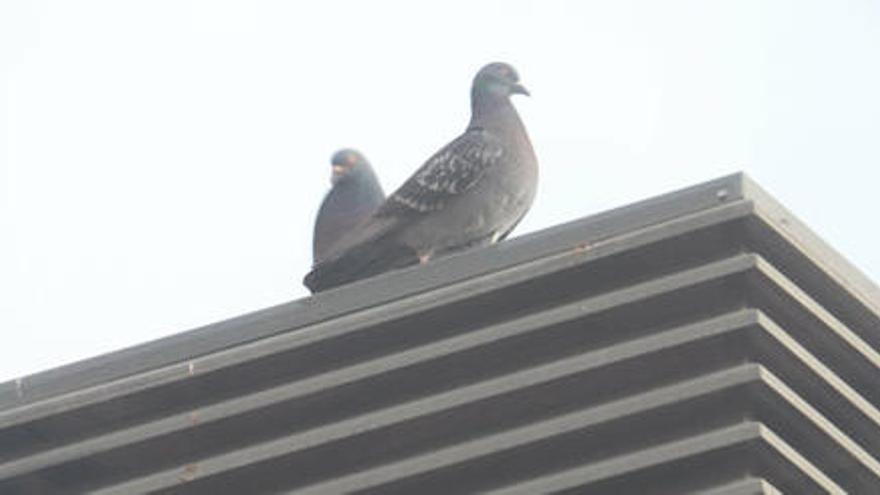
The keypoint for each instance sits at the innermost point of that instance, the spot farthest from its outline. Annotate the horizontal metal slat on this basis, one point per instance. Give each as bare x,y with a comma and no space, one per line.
358,426
748,486
810,479
628,295
184,422
402,413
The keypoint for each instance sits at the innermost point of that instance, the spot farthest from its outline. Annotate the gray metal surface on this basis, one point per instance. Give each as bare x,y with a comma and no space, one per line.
703,341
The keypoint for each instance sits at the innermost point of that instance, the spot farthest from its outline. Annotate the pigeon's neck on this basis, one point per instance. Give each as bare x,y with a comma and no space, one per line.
362,181
493,112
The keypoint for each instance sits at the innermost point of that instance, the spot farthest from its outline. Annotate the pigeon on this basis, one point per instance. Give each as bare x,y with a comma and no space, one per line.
472,192
354,196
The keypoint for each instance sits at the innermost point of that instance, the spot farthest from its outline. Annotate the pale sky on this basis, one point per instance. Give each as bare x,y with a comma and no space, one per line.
162,161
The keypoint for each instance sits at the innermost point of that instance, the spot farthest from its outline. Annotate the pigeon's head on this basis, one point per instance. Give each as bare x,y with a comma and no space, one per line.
347,163
498,79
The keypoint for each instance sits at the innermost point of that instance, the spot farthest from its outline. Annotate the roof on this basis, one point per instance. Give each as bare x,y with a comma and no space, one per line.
703,338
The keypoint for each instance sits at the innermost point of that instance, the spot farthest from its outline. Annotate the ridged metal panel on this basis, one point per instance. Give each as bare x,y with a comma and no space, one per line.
699,341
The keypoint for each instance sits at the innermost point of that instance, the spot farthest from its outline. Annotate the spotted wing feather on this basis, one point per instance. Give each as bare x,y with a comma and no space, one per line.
450,172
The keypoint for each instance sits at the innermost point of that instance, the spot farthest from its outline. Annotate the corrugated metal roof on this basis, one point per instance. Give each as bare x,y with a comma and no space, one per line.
701,340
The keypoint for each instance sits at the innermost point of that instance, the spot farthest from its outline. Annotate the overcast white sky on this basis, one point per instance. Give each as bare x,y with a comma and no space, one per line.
162,161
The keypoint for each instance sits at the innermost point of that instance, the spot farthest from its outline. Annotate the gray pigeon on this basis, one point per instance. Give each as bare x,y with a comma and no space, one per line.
354,196
472,192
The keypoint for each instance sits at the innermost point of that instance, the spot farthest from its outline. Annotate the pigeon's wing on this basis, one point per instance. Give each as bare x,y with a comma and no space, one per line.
452,171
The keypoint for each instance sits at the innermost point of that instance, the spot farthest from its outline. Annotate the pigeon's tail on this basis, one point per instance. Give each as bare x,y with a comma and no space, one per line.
363,261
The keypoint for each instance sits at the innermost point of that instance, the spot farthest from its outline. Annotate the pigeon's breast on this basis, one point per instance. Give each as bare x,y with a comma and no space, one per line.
344,208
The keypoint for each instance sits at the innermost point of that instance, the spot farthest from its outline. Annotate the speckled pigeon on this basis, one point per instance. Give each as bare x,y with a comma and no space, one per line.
472,192
354,196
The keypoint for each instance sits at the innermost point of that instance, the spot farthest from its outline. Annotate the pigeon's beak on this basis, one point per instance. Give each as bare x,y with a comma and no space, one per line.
519,89
337,171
